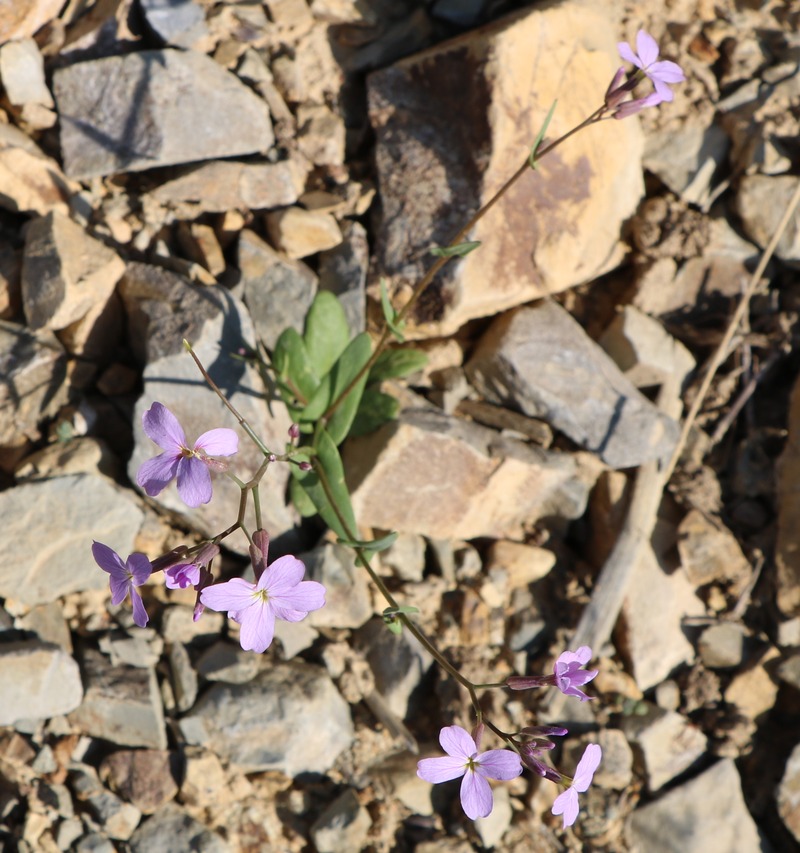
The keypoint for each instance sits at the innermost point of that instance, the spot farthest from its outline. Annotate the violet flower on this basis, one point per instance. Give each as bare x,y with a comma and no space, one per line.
189,573
540,742
463,759
567,675
566,803
189,465
124,577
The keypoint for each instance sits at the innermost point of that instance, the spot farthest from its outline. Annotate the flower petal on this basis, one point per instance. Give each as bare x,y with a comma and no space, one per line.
258,627
109,561
162,427
139,566
119,589
234,595
663,90
499,764
457,742
589,762
194,482
666,71
218,442
182,576
647,48
441,769
567,804
626,52
580,657
140,616
155,474
476,796
282,575
306,596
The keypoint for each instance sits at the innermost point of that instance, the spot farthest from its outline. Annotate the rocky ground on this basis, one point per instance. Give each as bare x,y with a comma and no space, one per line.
201,169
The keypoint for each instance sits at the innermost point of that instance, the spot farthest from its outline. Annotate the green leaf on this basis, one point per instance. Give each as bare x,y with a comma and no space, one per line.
326,332
540,136
390,315
394,363
375,409
331,475
302,502
372,544
390,617
457,251
319,402
352,360
293,367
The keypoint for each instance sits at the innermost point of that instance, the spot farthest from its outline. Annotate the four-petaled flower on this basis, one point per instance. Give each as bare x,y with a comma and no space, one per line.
189,464
569,675
463,759
662,74
124,577
280,592
566,803
182,575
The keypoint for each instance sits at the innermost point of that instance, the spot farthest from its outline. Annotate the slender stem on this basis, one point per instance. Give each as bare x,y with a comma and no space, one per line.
493,684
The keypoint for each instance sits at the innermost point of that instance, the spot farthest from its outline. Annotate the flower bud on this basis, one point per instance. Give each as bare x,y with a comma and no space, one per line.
294,432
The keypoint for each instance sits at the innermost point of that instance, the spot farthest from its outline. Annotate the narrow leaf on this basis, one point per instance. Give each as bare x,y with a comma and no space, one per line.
372,544
540,136
292,365
326,332
390,315
457,251
352,360
299,497
394,363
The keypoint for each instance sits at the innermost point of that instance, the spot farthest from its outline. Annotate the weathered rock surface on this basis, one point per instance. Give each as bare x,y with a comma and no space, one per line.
709,551
343,271
760,202
40,680
557,226
144,777
787,547
121,114
181,23
172,830
300,233
22,18
30,182
343,826
289,718
72,510
541,361
348,603
788,794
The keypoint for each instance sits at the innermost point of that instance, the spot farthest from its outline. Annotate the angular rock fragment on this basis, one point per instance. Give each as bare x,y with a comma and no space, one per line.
760,203
181,23
22,75
121,113
787,547
788,795
301,233
540,360
343,826
144,777
30,182
709,551
348,603
118,819
171,829
22,18
343,271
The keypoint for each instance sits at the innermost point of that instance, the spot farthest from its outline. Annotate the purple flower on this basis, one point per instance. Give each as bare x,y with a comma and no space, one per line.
567,802
190,465
463,759
661,74
532,752
124,577
182,576
280,592
569,675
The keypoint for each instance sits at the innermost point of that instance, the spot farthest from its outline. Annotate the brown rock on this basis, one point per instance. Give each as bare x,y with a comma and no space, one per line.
709,551
22,18
143,777
522,564
320,135
787,548
300,233
754,690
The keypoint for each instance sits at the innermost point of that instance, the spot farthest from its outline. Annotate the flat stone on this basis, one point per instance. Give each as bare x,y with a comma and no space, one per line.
760,202
65,272
447,478
73,510
178,625
521,564
707,813
722,646
709,551
22,73
23,18
181,23
278,290
348,602
229,663
405,557
556,227
300,233
143,777
343,826
754,690
40,680
121,114
117,818
48,623
540,360
121,704
289,718
183,677
616,768
788,796
172,830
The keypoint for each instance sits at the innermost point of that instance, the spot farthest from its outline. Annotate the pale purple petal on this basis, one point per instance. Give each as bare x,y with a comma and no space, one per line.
182,576
476,796
194,482
282,575
140,616
580,656
162,427
567,804
457,742
109,561
442,769
626,52
500,764
140,567
218,442
234,595
258,627
666,71
306,596
156,474
663,90
287,613
589,762
647,48
119,589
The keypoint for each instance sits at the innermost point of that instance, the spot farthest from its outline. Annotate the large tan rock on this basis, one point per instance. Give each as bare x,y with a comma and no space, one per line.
22,18
454,122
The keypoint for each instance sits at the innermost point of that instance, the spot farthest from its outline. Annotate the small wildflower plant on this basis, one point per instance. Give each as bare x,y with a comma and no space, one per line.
330,384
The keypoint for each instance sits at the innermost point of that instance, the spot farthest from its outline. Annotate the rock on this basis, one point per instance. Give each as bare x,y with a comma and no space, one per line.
447,478
48,623
711,812
760,202
178,625
520,564
667,743
224,185
163,309
343,271
34,365
616,768
310,74
144,777
180,24
300,233
289,718
229,663
94,842
216,115
541,361
491,829
79,455
72,510
754,690
141,647
172,830
710,552
348,603
556,227
789,671
118,819
23,18
200,244
650,635
278,290
788,794
22,74
40,680
343,826
722,646
320,135
644,351
294,637
405,557
65,272
787,547
121,704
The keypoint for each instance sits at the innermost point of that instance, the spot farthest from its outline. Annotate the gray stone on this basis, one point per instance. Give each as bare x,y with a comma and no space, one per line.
172,830
540,360
95,842
178,625
708,813
348,603
39,681
118,819
121,113
48,623
289,718
343,826
294,637
72,510
616,768
789,671
141,647
180,23
183,677
229,663
343,271
122,704
760,202
33,367
492,828
278,290
405,558
788,794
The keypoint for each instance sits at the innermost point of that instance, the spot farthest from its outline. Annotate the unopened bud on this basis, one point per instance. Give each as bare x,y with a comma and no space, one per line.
305,466
294,432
